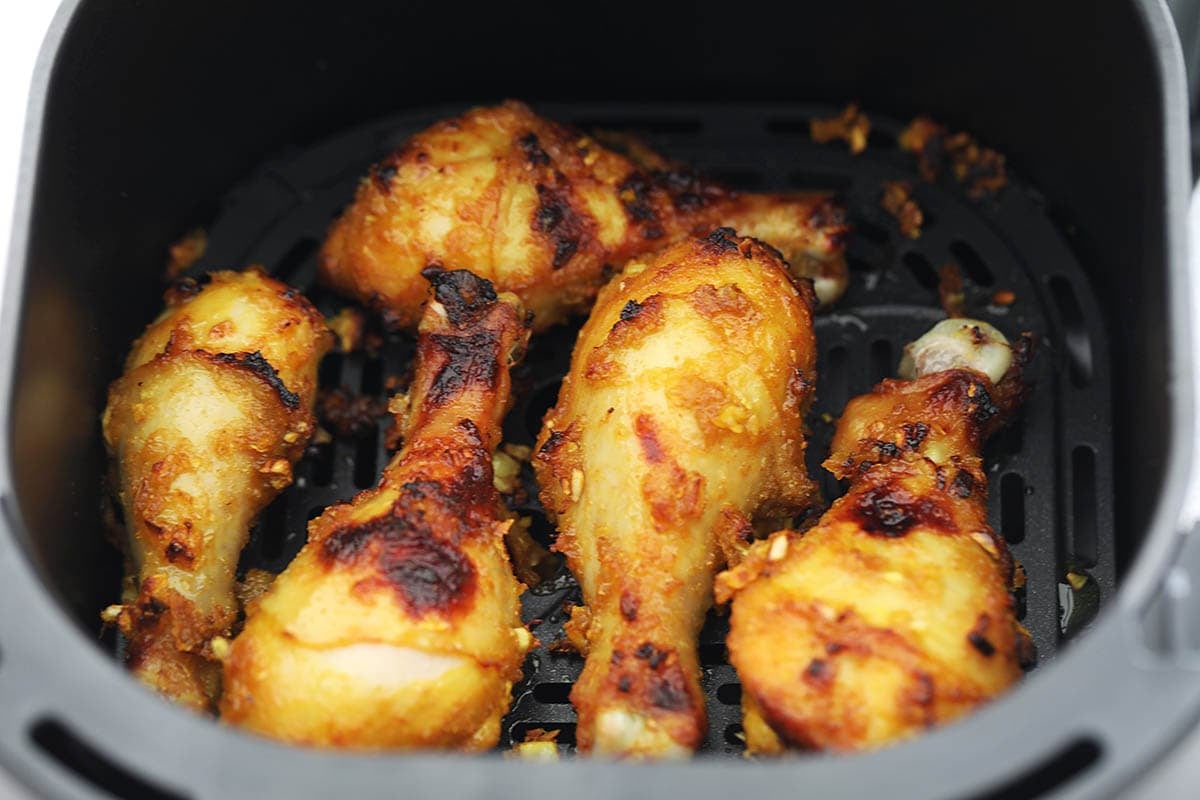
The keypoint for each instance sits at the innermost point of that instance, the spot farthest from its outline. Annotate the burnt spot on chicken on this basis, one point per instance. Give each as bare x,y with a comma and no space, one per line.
914,434
558,220
722,240
532,148
891,511
469,361
426,572
629,606
630,310
635,195
668,690
963,484
552,443
179,553
255,363
383,173
819,673
465,296
978,636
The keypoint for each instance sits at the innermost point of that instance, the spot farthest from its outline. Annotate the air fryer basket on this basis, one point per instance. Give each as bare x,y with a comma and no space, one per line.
221,130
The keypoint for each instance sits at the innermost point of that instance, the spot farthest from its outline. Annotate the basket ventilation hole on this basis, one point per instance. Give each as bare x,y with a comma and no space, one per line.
322,464
1083,505
1012,508
971,262
735,735
730,694
870,231
329,373
539,403
371,383
552,693
57,741
1078,345
273,531
1051,773
365,451
921,269
713,654
881,360
295,258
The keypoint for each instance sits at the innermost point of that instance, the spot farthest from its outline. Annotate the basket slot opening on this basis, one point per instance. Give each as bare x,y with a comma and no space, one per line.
540,402
1012,508
713,654
735,735
972,263
881,365
1051,773
921,269
329,372
273,531
371,382
295,258
552,692
57,741
1083,505
1078,345
365,451
730,694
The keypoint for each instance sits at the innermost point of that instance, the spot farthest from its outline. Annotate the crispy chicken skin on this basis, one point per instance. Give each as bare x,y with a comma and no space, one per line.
214,408
679,425
894,613
398,624
547,212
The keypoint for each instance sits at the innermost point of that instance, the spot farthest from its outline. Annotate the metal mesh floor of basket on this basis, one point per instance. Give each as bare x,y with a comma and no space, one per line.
1050,471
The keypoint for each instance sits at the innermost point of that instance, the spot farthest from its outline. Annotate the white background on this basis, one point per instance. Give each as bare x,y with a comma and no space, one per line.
24,25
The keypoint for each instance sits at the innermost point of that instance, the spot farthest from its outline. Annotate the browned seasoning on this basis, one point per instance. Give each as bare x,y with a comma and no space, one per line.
851,126
185,252
897,200
979,169
1004,297
950,290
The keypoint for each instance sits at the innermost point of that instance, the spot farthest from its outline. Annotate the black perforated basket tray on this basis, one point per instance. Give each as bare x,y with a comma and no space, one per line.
1049,471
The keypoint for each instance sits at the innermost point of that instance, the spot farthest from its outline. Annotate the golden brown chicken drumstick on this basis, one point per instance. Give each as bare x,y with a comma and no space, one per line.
547,212
894,613
203,428
398,624
679,425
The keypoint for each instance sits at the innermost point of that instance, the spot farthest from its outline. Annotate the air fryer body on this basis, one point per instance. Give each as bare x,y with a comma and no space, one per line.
145,116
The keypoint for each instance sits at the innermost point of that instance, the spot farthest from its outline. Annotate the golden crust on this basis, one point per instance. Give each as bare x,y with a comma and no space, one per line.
685,399
538,209
398,624
894,613
202,430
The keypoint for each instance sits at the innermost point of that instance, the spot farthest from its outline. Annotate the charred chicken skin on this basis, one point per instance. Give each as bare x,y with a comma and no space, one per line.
546,212
894,613
214,408
679,425
398,624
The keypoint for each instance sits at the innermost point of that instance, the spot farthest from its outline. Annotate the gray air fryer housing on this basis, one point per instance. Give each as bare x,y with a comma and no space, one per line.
146,116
